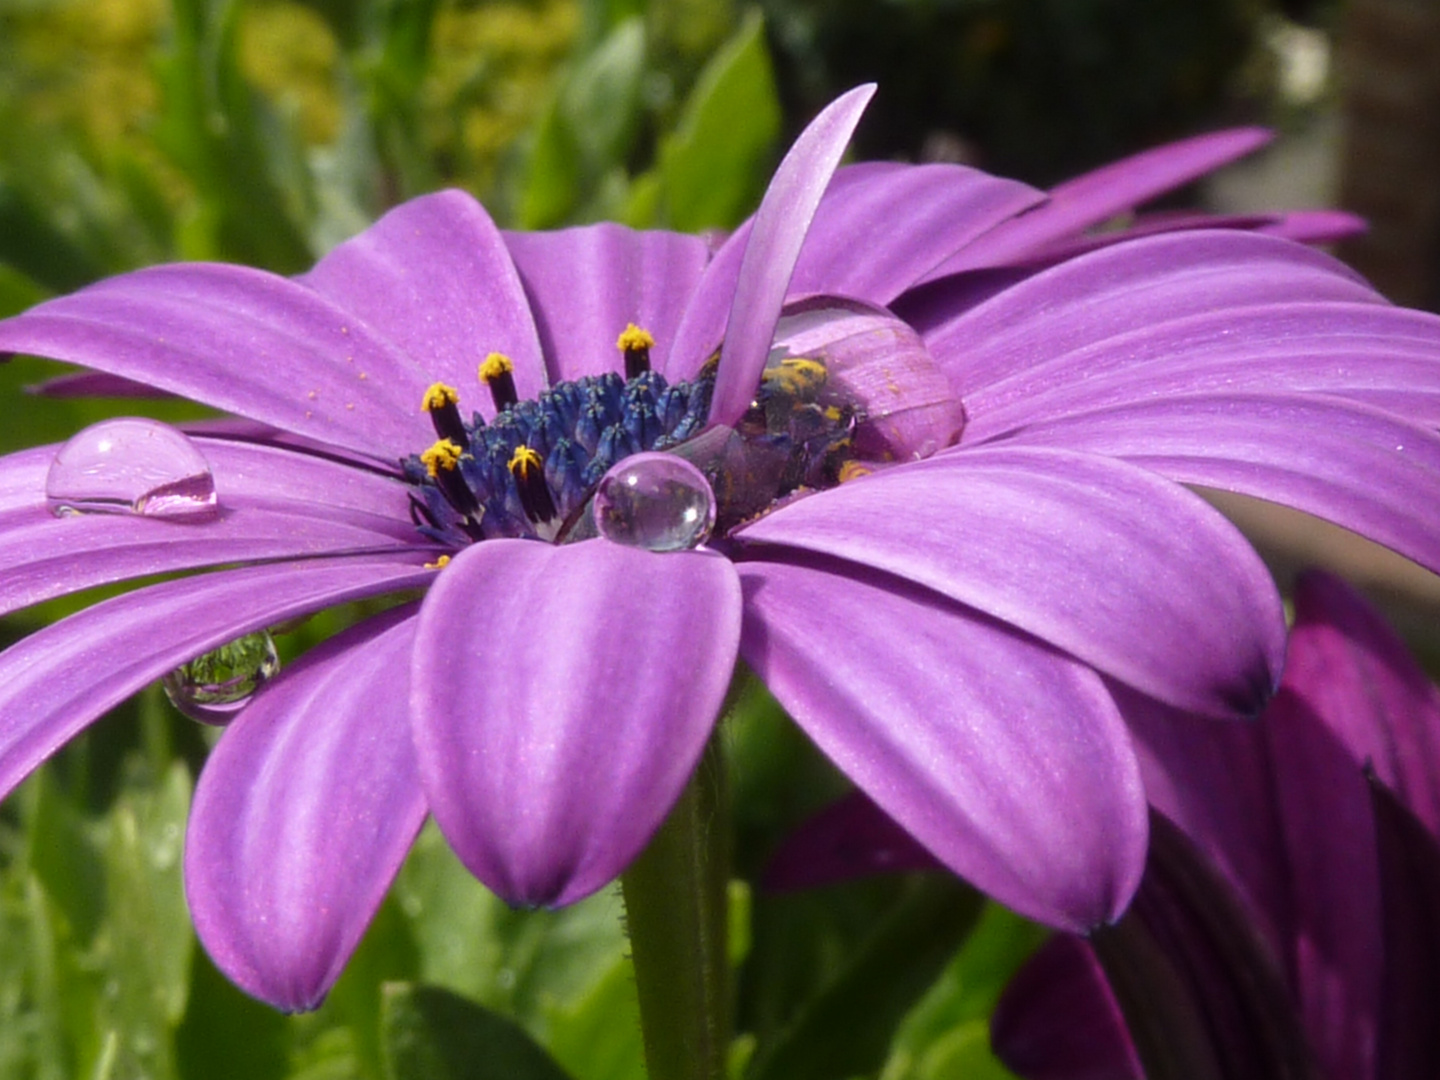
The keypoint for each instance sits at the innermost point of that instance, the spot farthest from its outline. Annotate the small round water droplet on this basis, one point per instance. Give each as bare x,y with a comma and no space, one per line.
131,466
215,686
655,501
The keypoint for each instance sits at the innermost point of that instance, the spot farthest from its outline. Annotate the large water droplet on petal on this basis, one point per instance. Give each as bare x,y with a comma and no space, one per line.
655,501
131,466
216,685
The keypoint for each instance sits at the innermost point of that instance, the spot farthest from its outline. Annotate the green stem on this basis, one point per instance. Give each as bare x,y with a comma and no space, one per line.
675,909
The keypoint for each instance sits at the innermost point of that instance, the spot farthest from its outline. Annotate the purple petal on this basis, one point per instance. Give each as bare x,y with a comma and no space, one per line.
243,341
561,698
586,284
83,384
850,838
1355,466
1099,195
1034,541
773,247
434,279
304,813
1008,761
59,679
1410,883
881,225
1059,1020
1354,671
1119,289
1284,347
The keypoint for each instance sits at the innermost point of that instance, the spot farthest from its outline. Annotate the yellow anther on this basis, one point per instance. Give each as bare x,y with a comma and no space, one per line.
441,561
524,460
438,396
633,339
444,454
853,470
496,365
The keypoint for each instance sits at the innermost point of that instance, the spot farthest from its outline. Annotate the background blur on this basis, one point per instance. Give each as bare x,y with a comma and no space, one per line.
138,131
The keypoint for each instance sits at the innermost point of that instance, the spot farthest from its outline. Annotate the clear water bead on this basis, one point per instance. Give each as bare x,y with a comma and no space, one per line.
131,466
216,685
655,501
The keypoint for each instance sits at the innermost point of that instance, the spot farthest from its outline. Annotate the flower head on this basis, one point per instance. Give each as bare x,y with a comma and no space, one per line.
944,452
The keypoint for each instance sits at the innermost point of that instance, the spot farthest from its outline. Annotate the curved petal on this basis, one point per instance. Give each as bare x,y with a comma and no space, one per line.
434,279
1122,288
882,225
1373,353
850,838
586,284
561,697
304,813
1035,539
244,341
1356,466
1008,761
1354,672
59,679
1099,195
773,247
1058,1019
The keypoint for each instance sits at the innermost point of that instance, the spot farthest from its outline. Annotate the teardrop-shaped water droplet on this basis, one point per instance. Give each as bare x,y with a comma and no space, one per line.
655,501
216,685
131,466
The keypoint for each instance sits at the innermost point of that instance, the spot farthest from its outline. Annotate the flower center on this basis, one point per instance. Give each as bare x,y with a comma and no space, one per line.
533,470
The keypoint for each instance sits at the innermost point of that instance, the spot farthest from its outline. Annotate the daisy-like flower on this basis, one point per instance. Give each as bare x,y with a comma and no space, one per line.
942,432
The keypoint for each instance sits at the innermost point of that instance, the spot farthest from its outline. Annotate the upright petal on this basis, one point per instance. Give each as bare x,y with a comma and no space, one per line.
1007,760
434,279
561,697
774,246
304,813
1034,540
586,284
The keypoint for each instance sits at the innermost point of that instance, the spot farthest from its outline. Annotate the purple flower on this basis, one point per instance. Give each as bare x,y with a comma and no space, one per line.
1324,818
949,628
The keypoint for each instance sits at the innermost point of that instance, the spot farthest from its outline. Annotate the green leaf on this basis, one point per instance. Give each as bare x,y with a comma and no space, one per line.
715,164
226,1035
846,1030
431,1034
598,1037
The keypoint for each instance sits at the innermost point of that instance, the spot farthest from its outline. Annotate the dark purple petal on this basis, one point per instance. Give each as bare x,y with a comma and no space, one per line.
1097,196
586,284
59,679
94,384
1034,540
561,698
304,813
1410,887
1350,668
1119,289
1355,466
1284,347
244,341
1059,1020
434,279
773,247
850,838
1007,760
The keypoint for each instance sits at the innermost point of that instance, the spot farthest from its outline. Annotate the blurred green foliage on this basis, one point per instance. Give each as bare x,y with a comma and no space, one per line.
136,131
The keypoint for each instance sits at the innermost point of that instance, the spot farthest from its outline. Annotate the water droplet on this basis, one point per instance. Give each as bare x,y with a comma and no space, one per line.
215,686
131,466
655,501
